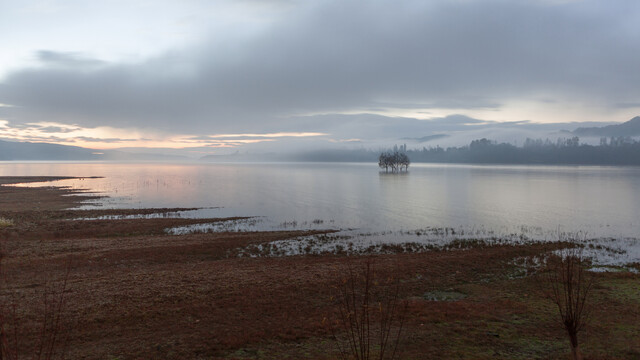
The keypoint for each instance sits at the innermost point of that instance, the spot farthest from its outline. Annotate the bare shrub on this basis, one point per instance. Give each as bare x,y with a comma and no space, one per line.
567,283
51,336
370,316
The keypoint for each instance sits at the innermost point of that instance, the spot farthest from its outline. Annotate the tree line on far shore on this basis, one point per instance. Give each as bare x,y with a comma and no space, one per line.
611,151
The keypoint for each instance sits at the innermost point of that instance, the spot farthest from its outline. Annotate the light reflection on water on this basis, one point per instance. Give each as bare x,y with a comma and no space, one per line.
603,202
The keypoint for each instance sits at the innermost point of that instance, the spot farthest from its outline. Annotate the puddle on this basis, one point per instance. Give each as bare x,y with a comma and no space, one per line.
440,295
236,225
203,213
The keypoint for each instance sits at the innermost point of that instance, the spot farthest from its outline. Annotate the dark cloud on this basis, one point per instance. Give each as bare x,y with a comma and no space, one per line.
333,56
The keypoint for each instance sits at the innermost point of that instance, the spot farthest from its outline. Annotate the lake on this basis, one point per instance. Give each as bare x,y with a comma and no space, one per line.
484,200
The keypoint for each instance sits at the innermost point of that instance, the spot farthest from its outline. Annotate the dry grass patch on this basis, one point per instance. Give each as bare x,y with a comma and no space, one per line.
4,222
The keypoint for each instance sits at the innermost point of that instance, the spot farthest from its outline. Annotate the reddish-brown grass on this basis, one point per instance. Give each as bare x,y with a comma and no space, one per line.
137,293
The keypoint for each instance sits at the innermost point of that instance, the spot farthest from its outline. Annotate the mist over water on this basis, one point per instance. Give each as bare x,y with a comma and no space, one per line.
598,201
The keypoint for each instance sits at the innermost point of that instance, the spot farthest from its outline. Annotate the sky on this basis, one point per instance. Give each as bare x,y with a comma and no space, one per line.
211,76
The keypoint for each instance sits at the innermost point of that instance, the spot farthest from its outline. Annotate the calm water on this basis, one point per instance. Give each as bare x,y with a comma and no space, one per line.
601,201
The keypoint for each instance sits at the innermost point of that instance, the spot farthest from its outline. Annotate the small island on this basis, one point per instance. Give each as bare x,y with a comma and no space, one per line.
396,161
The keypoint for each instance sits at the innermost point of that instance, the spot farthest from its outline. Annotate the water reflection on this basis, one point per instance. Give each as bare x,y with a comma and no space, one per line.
602,201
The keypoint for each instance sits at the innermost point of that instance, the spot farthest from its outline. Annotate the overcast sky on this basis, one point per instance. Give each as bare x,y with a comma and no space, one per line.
211,73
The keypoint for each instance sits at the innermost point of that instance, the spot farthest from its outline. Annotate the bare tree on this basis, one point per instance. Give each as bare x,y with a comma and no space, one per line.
396,161
371,314
403,161
567,283
52,336
383,162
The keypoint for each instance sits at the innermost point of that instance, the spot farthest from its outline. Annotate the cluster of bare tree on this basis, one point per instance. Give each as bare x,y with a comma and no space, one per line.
396,161
371,313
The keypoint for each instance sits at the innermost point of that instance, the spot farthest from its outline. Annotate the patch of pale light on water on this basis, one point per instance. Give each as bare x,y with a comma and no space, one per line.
603,252
602,201
357,242
181,214
235,225
252,224
606,252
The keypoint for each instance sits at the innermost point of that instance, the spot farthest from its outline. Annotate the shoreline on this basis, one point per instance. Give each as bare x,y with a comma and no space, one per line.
134,291
47,198
15,180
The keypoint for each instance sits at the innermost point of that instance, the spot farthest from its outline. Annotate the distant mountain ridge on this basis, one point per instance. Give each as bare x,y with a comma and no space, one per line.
629,128
28,151
10,150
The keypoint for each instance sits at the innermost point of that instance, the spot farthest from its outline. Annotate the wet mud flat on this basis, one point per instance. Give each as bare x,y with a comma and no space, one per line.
134,291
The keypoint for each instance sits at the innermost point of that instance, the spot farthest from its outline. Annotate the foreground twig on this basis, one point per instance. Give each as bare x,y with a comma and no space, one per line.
52,337
371,314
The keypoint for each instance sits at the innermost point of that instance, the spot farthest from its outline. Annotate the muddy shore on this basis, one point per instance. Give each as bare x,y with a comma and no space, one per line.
134,292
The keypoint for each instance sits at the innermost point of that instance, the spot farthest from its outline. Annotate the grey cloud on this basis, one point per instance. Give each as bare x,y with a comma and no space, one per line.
463,103
453,120
200,138
368,126
67,59
56,129
205,139
102,140
49,139
628,105
377,127
340,55
44,129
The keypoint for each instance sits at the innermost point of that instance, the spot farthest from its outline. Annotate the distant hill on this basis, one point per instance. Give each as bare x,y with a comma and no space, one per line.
28,151
629,128
428,138
238,157
322,155
10,150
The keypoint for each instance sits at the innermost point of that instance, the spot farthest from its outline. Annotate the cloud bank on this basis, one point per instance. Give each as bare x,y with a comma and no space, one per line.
333,57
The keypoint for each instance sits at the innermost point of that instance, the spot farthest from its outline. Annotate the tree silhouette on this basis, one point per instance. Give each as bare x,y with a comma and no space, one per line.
397,161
